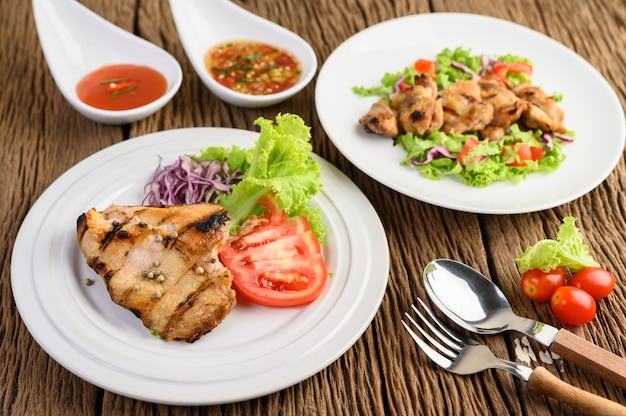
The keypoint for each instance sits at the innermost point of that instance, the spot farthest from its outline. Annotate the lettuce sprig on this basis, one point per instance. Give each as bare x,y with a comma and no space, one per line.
281,163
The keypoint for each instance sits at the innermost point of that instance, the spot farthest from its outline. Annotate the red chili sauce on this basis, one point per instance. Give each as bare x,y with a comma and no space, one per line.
252,67
121,87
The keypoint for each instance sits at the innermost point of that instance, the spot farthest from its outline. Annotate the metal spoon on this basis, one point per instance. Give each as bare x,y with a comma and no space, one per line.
202,24
77,41
473,302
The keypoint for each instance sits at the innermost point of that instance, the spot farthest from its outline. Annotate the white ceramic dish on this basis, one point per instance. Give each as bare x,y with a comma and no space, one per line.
255,351
76,41
203,24
592,109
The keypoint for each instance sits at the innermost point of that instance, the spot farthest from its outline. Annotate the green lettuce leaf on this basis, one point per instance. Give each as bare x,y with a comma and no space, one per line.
280,162
568,250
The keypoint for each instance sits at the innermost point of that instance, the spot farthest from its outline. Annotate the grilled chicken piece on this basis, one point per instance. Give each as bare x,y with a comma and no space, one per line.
162,264
463,108
380,119
507,107
419,108
544,113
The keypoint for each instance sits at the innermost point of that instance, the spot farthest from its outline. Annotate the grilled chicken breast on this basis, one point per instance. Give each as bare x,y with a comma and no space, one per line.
162,264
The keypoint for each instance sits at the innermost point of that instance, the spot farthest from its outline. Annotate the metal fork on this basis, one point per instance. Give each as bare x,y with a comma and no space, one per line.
463,355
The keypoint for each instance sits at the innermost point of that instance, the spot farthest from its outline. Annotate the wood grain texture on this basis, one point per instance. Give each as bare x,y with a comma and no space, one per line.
383,373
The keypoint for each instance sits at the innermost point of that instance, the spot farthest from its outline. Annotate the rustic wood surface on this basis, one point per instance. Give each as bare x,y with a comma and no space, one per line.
383,373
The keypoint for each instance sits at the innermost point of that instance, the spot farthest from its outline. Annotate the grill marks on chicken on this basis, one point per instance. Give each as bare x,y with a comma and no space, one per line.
162,264
419,108
544,113
464,109
487,107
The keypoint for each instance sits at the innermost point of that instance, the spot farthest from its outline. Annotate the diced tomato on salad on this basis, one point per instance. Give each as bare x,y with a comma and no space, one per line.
520,153
469,145
277,261
502,69
425,66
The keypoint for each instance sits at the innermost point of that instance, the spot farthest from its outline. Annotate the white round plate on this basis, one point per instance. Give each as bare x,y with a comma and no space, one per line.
592,109
255,351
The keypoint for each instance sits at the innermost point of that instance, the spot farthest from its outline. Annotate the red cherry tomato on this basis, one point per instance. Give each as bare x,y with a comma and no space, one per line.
596,281
572,305
539,286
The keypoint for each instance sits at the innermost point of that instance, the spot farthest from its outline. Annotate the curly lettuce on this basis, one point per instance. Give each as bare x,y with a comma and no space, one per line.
568,250
280,162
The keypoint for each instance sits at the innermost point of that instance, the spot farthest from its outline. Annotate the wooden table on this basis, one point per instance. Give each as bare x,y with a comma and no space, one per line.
383,373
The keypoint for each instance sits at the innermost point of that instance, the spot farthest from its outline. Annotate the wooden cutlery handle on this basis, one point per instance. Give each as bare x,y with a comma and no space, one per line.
588,355
544,382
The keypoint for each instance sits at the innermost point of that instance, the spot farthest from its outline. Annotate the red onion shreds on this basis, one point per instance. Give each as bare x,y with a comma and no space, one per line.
485,64
465,69
561,137
548,138
434,153
396,86
188,181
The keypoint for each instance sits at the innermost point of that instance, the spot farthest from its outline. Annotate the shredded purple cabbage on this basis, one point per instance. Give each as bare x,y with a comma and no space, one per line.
188,181
435,152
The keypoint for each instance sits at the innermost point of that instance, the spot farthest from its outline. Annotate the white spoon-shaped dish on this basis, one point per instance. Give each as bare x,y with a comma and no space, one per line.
76,41
202,24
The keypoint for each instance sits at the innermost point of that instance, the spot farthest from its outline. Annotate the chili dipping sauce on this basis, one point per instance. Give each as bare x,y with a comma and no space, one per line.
121,87
253,68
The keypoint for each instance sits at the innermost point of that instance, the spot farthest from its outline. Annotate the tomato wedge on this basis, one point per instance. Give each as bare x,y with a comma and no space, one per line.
276,261
521,68
500,69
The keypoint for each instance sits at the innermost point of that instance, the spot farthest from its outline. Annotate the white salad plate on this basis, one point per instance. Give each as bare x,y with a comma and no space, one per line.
592,109
255,351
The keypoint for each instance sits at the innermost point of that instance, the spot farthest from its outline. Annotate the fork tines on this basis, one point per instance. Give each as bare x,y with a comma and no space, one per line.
442,355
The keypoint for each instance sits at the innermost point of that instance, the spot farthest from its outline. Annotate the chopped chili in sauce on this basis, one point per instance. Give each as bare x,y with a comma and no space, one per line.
253,68
121,87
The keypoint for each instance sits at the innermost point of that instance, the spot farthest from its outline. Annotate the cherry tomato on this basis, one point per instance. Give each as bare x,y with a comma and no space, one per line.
596,281
539,286
572,305
276,261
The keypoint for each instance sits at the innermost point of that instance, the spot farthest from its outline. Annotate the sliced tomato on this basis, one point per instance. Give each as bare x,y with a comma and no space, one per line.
404,87
469,145
425,66
521,68
500,69
276,262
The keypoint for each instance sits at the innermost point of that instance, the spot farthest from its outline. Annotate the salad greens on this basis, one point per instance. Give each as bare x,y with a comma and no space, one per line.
436,154
450,61
490,158
280,162
567,250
